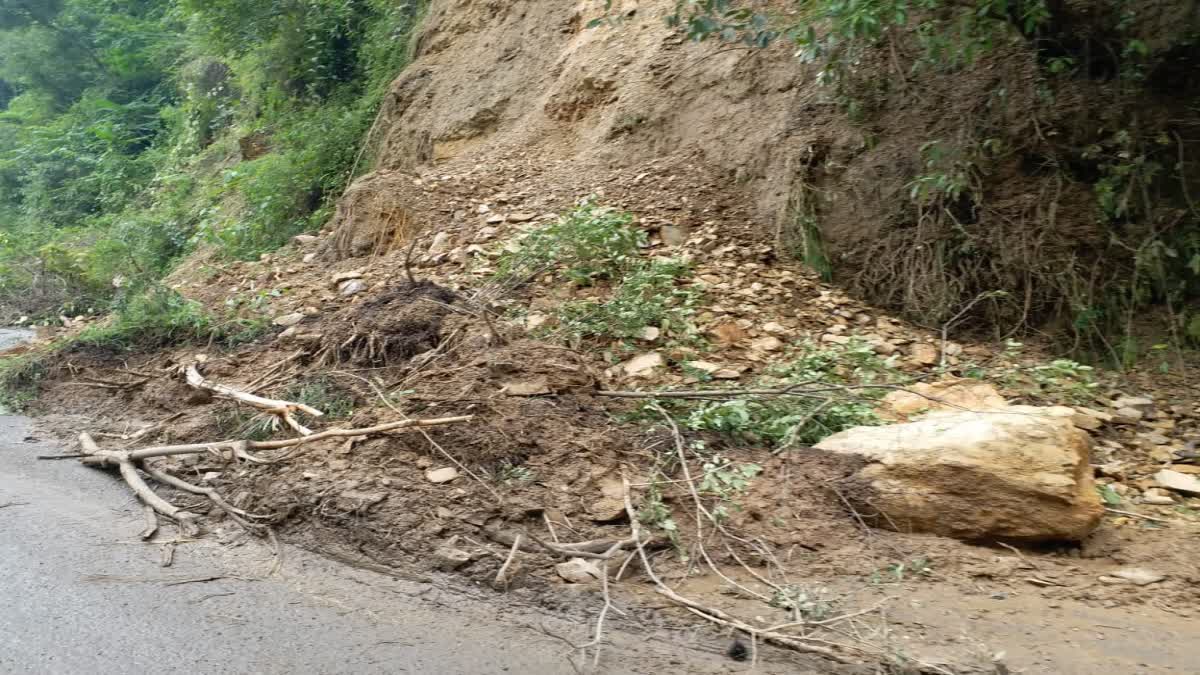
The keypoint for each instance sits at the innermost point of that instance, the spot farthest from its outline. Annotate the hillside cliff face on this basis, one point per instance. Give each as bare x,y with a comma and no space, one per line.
918,189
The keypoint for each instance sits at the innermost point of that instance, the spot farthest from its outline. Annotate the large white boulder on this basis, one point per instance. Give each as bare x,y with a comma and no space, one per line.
1018,473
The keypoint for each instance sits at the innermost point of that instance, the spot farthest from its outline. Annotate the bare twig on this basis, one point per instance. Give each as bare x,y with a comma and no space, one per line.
717,616
129,473
1020,555
237,515
502,579
598,640
1131,514
701,511
151,517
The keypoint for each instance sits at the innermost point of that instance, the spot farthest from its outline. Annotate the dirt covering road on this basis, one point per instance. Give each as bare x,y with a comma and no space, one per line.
81,593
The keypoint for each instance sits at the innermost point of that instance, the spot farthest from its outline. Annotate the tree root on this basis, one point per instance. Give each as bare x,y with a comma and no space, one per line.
130,464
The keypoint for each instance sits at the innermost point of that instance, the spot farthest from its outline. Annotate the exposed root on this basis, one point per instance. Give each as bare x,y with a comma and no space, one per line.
130,462
186,520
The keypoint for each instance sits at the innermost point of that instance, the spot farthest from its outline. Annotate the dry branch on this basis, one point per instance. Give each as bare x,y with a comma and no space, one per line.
129,473
283,409
240,448
239,516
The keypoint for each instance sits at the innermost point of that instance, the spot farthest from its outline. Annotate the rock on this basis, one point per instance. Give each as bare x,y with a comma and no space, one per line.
486,234
1179,482
351,287
346,276
1139,576
1153,438
650,333
1140,402
885,348
727,374
304,239
309,257
578,571
288,320
535,387
535,321
924,354
443,475
835,339
607,510
1157,497
1090,419
643,364
521,217
494,219
946,395
1127,416
706,367
448,558
356,501
774,328
1021,473
768,343
440,243
729,333
611,506
675,235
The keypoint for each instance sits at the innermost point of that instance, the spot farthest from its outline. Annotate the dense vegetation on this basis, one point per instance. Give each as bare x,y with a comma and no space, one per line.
1091,117
132,132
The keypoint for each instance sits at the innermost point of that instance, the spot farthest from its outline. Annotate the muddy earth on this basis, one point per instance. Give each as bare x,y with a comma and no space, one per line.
83,594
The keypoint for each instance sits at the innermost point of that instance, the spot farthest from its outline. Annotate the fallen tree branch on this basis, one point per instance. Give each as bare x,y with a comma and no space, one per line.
502,579
239,516
129,473
283,409
240,448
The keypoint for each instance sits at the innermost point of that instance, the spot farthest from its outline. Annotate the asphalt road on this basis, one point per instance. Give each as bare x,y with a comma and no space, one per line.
80,593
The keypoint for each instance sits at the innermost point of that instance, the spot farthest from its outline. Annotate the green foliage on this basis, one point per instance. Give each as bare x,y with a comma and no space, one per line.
19,378
159,317
647,294
655,513
785,421
325,395
290,190
120,120
898,572
806,604
589,243
509,473
1108,495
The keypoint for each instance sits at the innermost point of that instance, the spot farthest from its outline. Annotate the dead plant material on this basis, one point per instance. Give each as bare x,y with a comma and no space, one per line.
283,410
393,326
800,644
187,521
131,462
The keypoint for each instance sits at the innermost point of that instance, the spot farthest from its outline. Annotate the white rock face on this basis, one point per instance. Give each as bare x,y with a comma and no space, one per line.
1017,473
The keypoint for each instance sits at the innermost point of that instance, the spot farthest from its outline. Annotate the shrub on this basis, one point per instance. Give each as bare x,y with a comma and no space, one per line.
589,243
647,294
160,317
